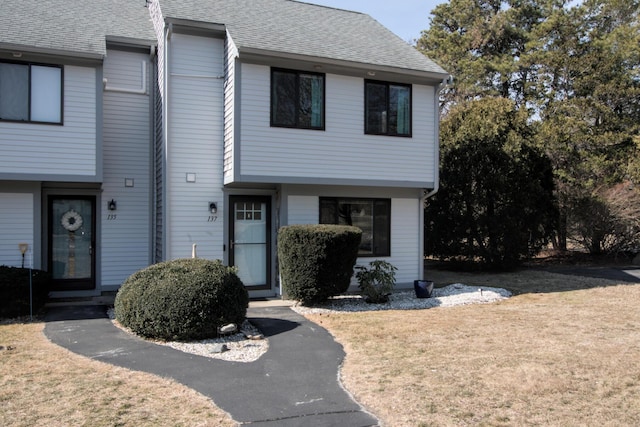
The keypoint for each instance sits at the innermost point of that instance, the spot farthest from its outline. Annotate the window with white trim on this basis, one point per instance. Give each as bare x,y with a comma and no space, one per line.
30,92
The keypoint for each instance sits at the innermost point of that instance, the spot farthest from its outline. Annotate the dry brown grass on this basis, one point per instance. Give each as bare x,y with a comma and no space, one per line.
42,384
554,358
564,351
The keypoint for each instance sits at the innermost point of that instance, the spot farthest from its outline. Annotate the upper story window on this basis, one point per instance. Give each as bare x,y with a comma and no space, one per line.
372,216
297,99
30,92
387,108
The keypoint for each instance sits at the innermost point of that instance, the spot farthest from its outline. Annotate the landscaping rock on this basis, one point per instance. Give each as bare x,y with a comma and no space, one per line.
218,348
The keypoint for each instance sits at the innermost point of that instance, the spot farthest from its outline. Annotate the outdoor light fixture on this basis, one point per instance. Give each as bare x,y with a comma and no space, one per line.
213,207
24,247
112,205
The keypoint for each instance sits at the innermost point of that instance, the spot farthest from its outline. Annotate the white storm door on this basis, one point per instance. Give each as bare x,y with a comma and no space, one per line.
250,240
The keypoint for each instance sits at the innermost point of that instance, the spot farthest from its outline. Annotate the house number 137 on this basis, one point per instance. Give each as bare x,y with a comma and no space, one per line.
212,218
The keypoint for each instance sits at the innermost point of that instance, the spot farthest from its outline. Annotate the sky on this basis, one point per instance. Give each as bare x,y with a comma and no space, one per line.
406,18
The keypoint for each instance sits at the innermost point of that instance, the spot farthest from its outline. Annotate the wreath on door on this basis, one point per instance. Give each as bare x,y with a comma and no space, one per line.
71,220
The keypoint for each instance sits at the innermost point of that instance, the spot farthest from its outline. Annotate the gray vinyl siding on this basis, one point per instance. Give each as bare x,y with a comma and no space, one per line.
126,232
48,152
342,151
16,226
303,208
195,145
229,107
406,252
159,141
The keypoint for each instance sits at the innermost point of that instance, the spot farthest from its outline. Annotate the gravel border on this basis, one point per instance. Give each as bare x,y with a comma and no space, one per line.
239,348
448,296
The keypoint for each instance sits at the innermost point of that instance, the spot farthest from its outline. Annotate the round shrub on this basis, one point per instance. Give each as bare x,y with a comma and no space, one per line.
183,299
316,261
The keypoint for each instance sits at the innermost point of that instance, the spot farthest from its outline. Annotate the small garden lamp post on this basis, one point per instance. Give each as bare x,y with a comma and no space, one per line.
24,247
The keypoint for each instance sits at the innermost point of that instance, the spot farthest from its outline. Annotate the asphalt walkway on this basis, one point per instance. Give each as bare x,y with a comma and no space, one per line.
294,384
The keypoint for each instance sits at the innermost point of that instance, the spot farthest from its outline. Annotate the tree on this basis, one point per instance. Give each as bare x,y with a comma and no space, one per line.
496,200
573,67
587,87
482,43
608,221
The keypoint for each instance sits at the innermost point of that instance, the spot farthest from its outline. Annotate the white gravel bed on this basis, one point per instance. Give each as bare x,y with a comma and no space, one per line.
239,347
456,294
242,349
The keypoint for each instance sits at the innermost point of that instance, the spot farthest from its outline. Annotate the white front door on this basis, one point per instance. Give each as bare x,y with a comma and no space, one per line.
250,240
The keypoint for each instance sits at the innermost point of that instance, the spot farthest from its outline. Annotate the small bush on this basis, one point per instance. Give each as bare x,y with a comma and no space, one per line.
377,281
184,299
316,261
14,291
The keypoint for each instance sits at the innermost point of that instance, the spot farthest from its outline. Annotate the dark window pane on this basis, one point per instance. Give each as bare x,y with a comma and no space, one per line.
382,224
14,92
328,211
376,108
362,217
399,110
311,102
283,99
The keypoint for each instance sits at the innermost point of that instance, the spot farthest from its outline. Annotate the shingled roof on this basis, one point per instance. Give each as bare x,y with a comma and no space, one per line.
81,28
72,27
301,28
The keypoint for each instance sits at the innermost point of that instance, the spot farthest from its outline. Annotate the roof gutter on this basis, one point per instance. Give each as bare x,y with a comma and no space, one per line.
340,66
41,53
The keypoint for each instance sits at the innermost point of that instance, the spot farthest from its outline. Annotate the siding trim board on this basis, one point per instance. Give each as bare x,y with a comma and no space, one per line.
255,179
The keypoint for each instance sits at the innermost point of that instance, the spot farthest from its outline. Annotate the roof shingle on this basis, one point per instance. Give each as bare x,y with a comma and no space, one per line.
77,27
305,29
80,27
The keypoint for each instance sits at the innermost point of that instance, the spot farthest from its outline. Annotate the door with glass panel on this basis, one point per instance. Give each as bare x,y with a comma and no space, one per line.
71,242
250,240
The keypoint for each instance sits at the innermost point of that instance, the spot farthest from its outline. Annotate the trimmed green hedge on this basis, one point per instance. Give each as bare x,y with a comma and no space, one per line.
14,291
183,299
316,261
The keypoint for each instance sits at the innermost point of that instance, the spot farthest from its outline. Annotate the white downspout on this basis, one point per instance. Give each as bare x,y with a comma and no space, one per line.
426,193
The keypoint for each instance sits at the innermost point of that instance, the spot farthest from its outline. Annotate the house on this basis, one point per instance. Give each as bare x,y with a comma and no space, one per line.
133,132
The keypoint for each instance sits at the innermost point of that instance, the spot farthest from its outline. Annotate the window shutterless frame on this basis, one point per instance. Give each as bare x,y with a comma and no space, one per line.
297,99
388,108
372,216
34,97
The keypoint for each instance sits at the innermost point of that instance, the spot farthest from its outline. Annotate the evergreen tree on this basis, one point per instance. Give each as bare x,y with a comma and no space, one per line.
496,200
573,68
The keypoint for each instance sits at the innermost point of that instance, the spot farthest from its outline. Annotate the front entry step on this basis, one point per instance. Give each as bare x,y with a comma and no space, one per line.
105,298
